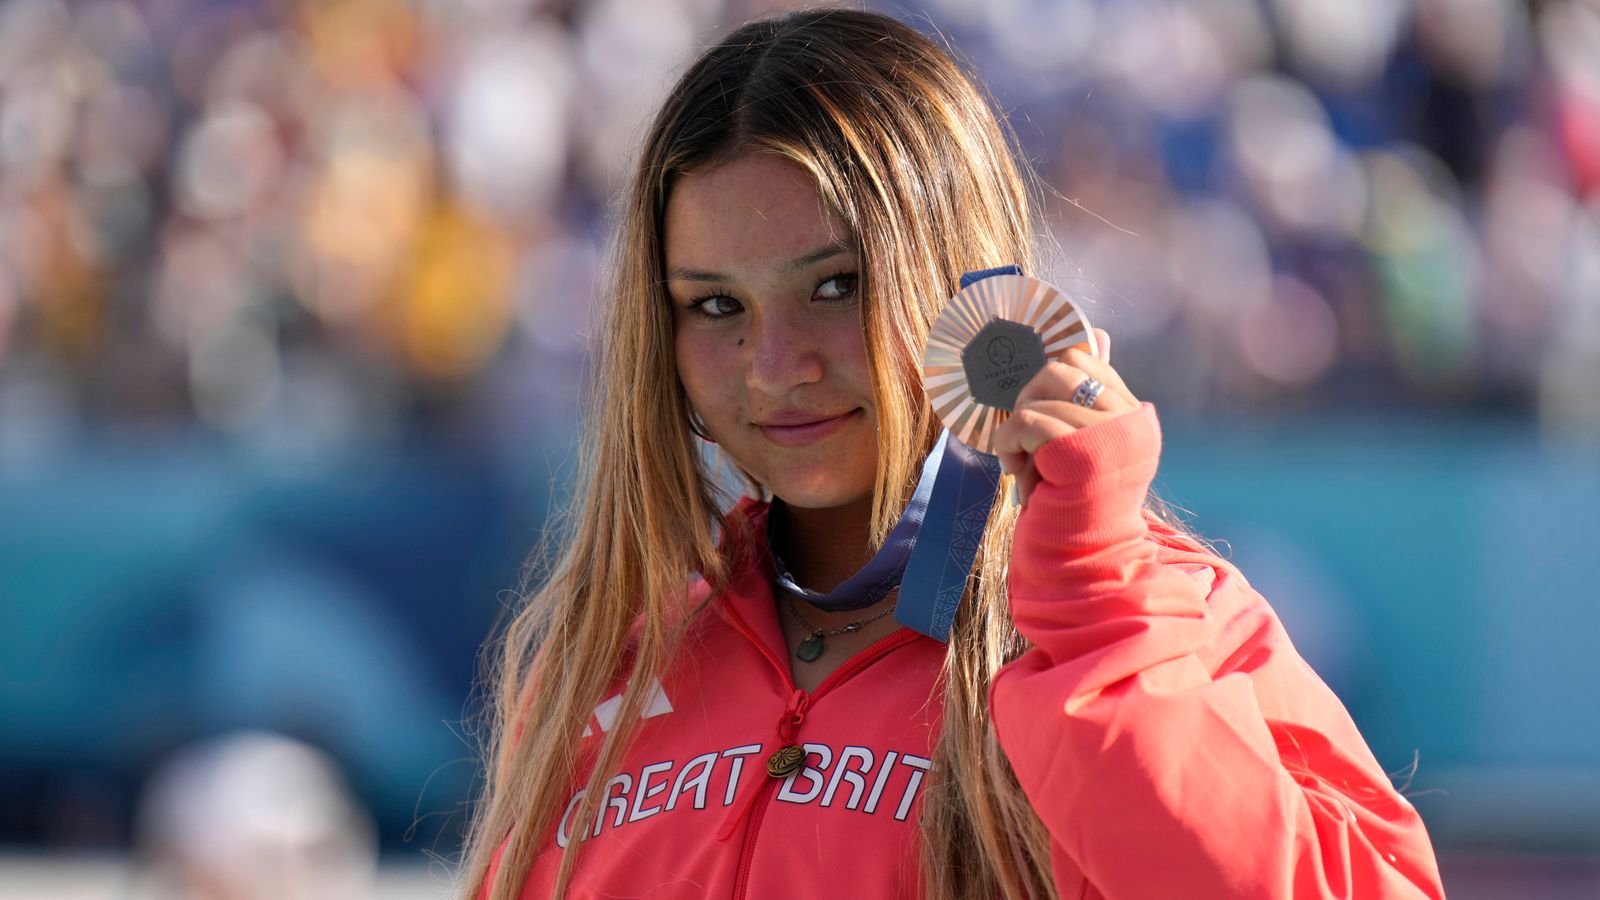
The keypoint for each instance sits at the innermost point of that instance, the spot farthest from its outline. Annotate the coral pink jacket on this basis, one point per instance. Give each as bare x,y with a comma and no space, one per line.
1163,726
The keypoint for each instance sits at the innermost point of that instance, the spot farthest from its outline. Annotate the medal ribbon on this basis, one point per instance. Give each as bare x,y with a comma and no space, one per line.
958,511
930,551
883,572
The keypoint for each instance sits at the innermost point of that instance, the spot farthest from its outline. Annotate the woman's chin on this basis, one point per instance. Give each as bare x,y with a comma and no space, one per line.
820,496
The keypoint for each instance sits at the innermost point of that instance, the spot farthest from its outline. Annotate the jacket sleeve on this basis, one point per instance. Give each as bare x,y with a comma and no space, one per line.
1169,736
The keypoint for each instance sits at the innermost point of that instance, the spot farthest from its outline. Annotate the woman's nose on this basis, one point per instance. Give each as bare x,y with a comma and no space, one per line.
782,354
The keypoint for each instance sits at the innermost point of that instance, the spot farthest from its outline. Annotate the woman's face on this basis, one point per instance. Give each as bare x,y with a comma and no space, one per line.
769,342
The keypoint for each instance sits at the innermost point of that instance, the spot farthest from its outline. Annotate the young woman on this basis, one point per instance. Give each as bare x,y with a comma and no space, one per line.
1116,712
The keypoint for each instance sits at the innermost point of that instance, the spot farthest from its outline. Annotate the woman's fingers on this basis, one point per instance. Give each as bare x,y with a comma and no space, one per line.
1044,409
1027,480
1030,428
1103,344
1060,380
1012,460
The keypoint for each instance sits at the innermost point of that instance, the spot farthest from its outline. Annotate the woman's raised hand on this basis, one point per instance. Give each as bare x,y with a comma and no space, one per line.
1044,410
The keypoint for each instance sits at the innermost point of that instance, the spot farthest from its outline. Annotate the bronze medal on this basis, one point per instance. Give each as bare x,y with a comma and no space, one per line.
992,337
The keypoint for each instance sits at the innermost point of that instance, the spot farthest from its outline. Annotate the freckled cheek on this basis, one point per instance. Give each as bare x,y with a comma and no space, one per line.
709,372
851,361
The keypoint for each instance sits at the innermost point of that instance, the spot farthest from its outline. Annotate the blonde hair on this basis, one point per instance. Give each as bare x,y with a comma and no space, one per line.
907,152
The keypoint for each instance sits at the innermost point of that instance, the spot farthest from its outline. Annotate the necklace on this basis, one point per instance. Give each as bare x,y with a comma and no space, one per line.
811,648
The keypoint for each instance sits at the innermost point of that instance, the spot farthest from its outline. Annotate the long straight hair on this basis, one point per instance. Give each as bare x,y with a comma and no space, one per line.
906,151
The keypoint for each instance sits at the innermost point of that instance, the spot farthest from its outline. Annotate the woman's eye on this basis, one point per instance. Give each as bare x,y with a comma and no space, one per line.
716,306
837,287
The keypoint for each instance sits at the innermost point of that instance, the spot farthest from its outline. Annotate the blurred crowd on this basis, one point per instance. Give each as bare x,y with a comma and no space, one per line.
322,223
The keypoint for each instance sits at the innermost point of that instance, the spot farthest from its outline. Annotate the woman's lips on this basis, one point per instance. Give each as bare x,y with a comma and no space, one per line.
807,433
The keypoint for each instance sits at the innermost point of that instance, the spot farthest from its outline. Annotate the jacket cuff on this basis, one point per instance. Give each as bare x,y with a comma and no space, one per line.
1093,484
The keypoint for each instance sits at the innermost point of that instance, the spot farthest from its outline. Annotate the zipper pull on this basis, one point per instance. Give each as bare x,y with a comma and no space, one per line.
793,715
785,761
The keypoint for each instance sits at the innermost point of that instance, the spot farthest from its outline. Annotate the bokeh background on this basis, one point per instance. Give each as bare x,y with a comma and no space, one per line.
293,311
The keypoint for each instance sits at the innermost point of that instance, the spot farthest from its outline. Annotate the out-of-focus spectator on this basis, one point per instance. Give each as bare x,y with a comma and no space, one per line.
253,815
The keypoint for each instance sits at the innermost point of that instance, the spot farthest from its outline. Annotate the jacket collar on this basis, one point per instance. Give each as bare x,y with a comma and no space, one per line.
747,603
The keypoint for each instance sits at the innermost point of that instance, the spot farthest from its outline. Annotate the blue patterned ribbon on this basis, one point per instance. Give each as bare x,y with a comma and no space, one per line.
964,486
952,529
969,277
883,572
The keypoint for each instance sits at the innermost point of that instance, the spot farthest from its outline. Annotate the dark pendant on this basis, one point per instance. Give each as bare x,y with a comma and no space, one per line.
810,648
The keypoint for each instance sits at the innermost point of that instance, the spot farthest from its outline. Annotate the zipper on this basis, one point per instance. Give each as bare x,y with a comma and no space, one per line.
867,655
752,825
743,627
755,809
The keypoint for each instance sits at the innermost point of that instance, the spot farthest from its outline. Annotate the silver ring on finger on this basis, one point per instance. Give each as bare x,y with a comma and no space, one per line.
1087,393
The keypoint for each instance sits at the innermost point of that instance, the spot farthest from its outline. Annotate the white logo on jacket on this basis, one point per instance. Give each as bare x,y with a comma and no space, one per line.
605,714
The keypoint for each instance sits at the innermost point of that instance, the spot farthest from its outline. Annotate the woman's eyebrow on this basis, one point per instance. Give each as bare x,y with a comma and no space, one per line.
789,267
827,251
